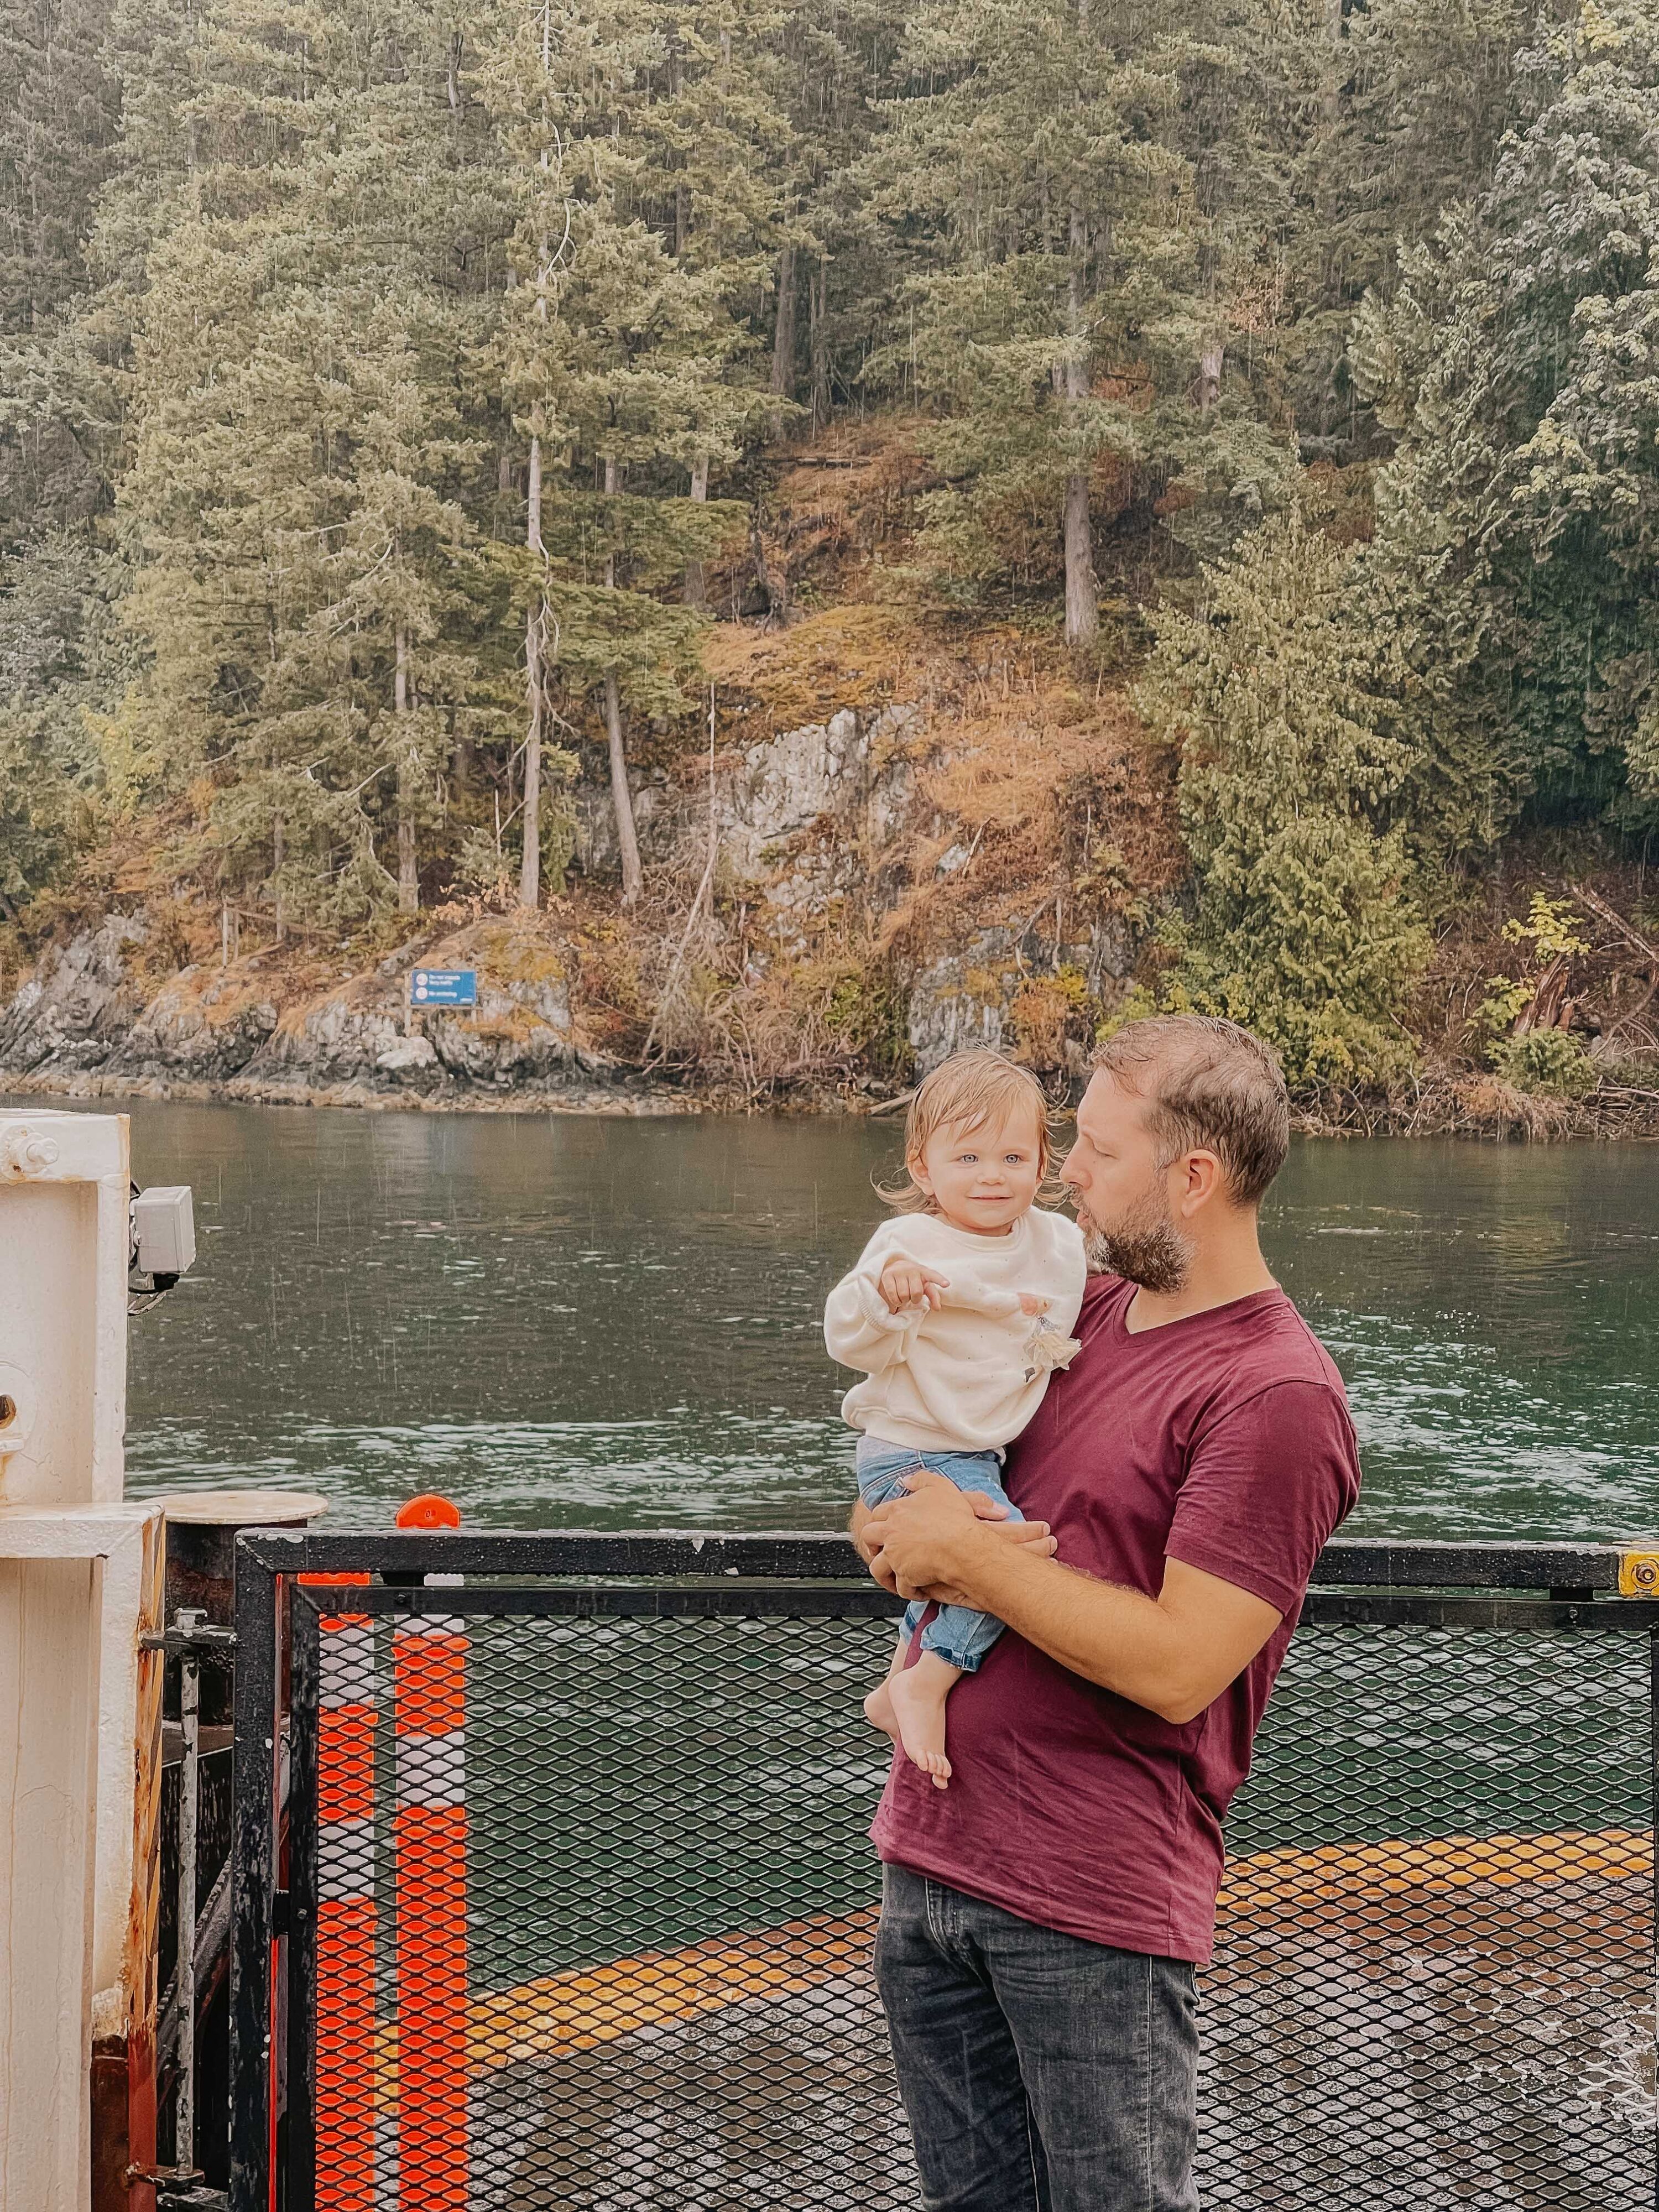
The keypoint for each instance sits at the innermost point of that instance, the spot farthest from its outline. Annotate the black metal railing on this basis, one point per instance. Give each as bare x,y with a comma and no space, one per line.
552,1892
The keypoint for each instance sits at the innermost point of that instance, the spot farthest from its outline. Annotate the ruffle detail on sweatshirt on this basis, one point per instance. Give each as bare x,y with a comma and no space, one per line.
1047,1350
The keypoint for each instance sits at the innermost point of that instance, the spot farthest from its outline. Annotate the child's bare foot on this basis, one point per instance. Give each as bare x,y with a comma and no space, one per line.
878,1711
917,1697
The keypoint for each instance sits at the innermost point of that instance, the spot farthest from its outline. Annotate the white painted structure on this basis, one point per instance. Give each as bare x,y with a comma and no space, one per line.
64,1194
81,1581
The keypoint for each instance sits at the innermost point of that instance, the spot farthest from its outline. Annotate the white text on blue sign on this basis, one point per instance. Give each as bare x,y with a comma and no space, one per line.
444,986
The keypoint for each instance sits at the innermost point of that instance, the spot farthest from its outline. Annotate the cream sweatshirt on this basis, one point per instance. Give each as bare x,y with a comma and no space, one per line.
969,1376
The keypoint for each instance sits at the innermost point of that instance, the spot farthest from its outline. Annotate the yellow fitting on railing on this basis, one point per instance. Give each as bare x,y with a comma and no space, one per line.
1639,1574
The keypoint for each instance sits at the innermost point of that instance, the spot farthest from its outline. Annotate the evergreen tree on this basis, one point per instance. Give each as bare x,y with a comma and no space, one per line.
1304,927
1519,525
618,354
62,668
1405,103
1060,311
58,112
304,579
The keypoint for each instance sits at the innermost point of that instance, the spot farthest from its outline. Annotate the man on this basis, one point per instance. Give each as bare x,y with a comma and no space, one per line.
1043,1917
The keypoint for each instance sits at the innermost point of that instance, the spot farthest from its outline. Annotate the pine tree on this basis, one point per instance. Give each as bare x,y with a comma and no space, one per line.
836,64
304,580
1406,103
59,113
617,356
61,667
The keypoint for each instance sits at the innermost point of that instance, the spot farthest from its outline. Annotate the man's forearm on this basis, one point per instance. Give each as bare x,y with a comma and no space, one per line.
1120,1638
1175,1654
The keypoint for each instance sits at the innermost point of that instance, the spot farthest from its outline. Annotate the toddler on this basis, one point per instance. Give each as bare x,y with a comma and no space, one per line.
957,1312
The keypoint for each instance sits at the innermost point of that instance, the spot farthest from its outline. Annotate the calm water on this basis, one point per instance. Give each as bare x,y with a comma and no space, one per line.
561,1321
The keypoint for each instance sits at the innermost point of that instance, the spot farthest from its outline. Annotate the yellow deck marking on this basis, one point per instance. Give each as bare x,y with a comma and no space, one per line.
575,2011
584,2008
1277,1882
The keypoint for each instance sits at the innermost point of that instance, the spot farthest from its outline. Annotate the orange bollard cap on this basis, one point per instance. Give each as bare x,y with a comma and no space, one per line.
428,1510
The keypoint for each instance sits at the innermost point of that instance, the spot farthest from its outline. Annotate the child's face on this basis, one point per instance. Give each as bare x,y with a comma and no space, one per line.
981,1179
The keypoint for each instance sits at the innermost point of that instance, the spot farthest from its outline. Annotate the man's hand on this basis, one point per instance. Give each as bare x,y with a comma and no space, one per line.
1032,1536
927,1537
906,1284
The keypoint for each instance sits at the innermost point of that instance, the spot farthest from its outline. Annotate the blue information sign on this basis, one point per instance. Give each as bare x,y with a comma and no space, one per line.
444,986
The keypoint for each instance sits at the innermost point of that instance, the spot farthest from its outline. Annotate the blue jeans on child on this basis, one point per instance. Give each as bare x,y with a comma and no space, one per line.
956,1633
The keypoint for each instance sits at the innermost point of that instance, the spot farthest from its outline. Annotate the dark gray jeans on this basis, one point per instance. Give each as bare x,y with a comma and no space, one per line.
1039,2072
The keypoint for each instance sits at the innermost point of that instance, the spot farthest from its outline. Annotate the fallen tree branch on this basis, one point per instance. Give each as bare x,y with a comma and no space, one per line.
1593,902
891,1105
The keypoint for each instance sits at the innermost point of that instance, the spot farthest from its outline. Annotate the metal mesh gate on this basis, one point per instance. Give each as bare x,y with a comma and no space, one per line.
1434,1977
580,1905
640,1910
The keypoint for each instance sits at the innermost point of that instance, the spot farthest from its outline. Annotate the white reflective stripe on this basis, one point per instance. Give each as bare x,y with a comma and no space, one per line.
345,1862
431,1623
346,1665
431,1770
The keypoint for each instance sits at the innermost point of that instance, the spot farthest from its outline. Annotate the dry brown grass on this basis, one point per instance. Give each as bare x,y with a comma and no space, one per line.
1064,812
861,656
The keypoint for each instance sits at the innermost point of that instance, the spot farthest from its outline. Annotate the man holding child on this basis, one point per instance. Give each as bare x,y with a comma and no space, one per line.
1044,1914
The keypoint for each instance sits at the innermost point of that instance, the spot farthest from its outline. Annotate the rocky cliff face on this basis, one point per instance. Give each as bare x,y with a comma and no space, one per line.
812,825
80,1005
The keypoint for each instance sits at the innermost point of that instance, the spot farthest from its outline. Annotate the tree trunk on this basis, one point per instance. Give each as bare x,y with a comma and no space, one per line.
1335,68
783,337
621,798
817,345
1082,611
1210,362
530,865
697,581
409,881
278,856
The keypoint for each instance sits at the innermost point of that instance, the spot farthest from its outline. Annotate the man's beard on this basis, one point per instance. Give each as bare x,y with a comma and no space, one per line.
1144,1247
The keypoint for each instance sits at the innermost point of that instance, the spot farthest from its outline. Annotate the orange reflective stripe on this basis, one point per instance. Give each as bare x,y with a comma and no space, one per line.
347,1920
346,2056
345,1763
428,1672
430,1833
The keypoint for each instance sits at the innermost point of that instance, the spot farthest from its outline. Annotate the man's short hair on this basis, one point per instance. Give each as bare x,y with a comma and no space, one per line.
1210,1085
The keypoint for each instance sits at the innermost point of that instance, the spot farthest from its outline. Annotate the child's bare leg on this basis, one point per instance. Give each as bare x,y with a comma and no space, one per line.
879,1705
917,1695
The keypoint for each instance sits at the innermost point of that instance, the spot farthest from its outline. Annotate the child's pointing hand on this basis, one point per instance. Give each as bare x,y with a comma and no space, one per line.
906,1283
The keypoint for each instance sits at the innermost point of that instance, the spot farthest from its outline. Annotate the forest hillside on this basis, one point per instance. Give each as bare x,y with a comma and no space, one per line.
792,535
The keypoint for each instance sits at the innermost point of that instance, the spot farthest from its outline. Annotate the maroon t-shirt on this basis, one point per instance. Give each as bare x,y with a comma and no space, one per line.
1223,1440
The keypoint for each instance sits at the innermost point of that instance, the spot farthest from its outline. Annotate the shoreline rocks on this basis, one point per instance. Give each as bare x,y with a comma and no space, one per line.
83,1025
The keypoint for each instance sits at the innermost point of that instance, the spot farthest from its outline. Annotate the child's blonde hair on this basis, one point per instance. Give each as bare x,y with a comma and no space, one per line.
968,1091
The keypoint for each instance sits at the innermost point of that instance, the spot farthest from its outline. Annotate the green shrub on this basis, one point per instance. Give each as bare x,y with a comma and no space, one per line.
1552,1061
